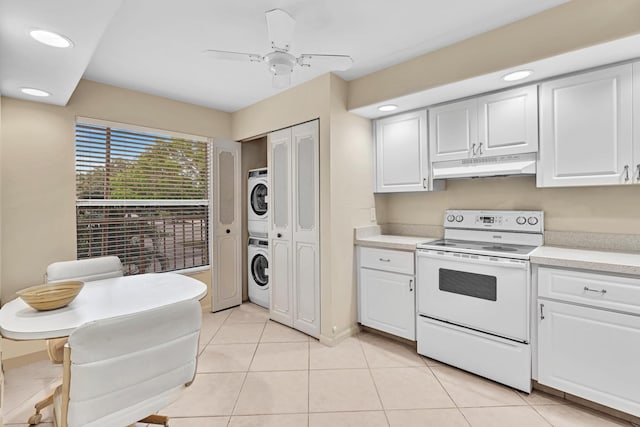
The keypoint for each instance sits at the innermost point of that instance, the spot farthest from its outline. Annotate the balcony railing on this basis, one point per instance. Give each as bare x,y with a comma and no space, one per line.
145,238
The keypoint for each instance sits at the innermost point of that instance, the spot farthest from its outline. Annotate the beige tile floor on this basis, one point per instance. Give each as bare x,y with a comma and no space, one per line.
255,372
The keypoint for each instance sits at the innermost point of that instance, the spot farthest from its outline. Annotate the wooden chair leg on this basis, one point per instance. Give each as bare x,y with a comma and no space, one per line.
162,420
37,417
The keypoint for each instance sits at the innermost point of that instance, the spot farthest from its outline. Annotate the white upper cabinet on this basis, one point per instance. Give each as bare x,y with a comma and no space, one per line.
493,125
401,153
586,129
453,131
508,122
636,122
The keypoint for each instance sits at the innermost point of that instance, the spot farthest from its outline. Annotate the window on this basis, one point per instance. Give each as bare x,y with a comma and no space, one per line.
142,195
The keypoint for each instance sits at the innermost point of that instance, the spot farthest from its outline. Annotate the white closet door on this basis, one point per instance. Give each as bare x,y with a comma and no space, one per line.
280,249
227,244
306,190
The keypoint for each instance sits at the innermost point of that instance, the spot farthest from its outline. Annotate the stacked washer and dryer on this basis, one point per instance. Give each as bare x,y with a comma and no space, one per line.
258,251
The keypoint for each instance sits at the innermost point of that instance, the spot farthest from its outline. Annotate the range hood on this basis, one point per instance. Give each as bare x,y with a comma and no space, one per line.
516,164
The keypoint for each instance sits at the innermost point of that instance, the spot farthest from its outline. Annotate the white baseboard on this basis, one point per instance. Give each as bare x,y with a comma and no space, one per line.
336,339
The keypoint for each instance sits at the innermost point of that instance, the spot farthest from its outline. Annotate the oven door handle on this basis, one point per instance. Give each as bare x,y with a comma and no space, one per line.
479,260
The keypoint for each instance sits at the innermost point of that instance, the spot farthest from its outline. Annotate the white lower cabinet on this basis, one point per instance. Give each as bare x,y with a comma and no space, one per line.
386,299
589,351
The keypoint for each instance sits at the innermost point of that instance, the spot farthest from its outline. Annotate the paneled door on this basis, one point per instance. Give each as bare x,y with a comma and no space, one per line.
280,226
453,131
226,241
306,191
508,122
401,153
586,129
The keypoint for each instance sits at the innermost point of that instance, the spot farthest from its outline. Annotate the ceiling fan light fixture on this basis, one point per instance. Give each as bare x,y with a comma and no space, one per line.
281,66
50,38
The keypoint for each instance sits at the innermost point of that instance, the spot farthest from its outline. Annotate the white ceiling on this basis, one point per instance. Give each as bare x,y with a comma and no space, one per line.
155,46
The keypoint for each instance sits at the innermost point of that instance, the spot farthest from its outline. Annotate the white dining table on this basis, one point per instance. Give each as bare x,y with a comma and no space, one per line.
99,299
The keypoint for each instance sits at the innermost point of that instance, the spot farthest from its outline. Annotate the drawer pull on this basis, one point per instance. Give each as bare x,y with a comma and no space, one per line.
541,311
601,291
410,285
384,259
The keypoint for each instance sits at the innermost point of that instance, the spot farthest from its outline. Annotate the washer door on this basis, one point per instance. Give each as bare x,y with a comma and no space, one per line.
259,265
259,199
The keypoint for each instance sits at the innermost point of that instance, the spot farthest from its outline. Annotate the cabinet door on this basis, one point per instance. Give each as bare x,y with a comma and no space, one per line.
306,258
508,122
590,353
636,122
401,153
586,129
280,251
453,131
387,302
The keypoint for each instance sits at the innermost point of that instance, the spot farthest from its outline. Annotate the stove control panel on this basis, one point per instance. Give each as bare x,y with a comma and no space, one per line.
525,221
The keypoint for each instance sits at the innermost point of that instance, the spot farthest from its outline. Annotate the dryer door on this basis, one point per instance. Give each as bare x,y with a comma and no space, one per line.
258,199
259,266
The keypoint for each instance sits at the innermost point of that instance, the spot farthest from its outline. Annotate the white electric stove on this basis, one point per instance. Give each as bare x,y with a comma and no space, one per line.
474,293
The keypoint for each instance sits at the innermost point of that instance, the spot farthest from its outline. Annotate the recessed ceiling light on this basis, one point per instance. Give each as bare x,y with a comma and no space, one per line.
387,107
34,92
50,38
517,75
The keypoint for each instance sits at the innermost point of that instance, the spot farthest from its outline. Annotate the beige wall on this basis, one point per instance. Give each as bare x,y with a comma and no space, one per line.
590,209
345,183
254,156
351,202
37,170
299,104
574,25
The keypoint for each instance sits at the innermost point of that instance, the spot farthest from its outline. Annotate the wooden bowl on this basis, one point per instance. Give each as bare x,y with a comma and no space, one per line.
50,297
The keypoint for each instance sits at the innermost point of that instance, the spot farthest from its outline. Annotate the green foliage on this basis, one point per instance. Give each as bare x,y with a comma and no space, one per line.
168,169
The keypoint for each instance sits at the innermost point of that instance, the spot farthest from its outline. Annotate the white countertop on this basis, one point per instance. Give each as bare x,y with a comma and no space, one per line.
387,241
613,262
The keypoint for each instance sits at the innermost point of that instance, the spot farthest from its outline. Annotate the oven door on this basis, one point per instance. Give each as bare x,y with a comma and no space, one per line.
488,294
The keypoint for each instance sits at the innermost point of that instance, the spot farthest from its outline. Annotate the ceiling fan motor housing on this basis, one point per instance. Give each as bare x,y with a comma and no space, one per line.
280,63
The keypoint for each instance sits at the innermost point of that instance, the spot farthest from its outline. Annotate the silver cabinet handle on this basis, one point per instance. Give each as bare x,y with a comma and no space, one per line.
626,173
541,311
473,149
638,172
480,148
384,259
601,291
410,285
424,181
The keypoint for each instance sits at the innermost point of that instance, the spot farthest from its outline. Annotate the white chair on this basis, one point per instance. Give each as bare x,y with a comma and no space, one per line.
119,371
84,270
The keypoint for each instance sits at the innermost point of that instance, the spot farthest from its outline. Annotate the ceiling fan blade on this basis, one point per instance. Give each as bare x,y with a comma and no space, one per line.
281,81
333,62
280,26
232,56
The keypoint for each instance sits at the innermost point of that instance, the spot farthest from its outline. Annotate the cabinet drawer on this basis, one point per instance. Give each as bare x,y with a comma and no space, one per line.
387,260
598,290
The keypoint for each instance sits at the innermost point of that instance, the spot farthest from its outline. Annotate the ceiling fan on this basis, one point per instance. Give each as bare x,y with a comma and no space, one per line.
280,62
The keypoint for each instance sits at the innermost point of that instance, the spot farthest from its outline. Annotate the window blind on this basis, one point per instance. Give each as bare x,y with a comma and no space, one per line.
142,196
